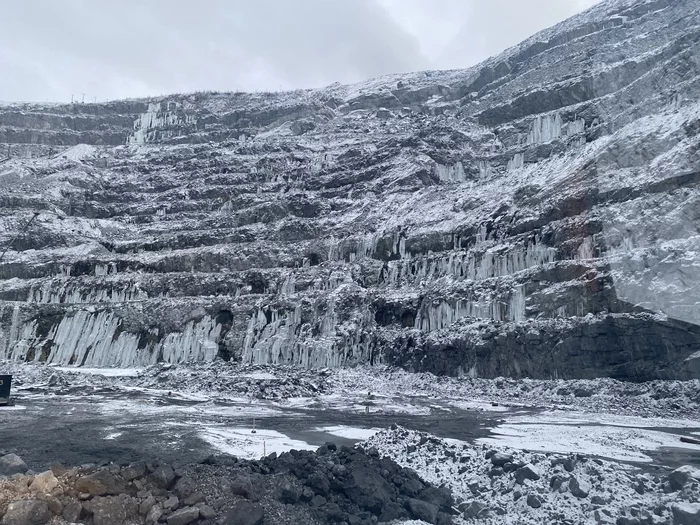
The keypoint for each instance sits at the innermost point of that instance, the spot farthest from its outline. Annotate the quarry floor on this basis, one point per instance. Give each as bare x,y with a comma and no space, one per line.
98,421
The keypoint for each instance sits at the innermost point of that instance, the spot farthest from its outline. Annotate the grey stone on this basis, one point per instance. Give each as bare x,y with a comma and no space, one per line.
422,510
533,501
183,516
242,486
163,476
205,511
476,510
27,512
112,510
137,470
72,511
682,475
12,464
526,472
171,503
44,482
154,514
500,458
100,483
686,513
245,513
146,505
579,488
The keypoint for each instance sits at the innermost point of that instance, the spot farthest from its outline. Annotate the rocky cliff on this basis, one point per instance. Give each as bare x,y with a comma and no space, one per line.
537,215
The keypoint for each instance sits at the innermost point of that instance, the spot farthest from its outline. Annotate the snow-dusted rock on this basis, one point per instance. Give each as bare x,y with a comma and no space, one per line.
532,216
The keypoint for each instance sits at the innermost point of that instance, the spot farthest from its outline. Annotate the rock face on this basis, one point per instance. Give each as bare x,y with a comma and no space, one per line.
535,215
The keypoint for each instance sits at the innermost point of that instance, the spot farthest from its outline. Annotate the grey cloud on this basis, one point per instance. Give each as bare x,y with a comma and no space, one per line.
113,49
494,25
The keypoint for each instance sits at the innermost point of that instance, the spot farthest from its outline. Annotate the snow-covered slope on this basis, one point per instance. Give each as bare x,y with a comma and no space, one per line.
536,215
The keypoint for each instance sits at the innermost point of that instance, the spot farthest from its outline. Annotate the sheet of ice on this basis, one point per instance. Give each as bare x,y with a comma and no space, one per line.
580,418
259,375
243,443
107,372
247,409
476,404
349,432
619,443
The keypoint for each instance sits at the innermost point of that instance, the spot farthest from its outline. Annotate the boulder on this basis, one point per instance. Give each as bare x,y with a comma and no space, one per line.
183,516
526,472
245,513
146,505
242,486
154,514
112,510
137,470
27,512
686,513
163,476
476,510
12,464
100,483
72,511
500,458
422,510
533,501
44,482
580,489
682,475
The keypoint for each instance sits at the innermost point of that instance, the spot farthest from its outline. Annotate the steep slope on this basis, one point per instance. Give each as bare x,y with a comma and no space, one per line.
537,215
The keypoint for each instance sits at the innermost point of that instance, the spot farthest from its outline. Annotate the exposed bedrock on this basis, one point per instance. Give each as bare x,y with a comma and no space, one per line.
536,215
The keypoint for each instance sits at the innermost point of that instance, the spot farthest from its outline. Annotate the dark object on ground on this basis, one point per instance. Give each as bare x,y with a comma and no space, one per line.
690,440
5,384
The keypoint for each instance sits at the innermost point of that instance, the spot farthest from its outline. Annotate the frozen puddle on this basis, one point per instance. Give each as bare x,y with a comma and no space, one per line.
249,443
359,434
107,372
618,439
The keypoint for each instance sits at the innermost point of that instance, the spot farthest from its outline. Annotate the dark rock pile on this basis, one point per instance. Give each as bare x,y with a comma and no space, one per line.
344,486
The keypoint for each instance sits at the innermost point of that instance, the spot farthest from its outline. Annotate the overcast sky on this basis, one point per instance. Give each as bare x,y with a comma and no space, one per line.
127,48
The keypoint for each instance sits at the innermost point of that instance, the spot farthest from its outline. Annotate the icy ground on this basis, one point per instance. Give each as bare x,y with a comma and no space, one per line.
619,441
301,408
